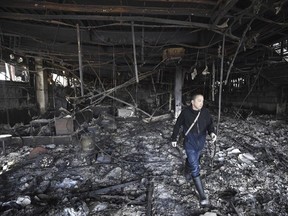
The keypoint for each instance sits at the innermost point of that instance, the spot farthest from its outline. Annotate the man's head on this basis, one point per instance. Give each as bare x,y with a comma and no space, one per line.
197,101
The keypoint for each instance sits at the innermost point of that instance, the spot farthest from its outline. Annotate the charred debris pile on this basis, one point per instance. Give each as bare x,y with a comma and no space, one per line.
125,166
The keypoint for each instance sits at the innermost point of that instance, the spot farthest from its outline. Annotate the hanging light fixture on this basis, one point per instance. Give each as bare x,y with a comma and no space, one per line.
20,60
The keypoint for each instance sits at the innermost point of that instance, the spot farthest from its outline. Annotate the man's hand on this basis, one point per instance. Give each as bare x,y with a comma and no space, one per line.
213,137
174,143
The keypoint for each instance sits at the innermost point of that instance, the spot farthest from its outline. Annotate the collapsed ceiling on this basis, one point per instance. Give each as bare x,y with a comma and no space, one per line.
111,32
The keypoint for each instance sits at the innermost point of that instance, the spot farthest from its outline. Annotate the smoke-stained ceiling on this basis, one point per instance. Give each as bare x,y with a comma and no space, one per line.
108,30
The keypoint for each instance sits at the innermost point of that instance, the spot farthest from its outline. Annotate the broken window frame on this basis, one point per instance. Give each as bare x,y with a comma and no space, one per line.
15,73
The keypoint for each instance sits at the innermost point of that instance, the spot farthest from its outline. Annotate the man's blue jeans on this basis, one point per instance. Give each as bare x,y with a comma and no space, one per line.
193,146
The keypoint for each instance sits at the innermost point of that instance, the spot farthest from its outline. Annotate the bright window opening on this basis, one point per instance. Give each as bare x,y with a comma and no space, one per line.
12,73
60,80
277,48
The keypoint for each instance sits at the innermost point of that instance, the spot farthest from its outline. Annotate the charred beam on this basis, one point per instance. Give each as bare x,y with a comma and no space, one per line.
149,199
108,9
110,189
38,17
206,2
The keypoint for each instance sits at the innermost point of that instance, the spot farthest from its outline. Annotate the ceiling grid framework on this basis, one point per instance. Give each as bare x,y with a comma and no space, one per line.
48,29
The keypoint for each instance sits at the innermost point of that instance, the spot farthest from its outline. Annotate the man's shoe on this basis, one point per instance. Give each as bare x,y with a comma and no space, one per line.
204,202
199,187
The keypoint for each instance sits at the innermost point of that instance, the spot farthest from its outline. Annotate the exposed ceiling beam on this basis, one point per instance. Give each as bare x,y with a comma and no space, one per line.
65,35
207,2
41,18
38,17
107,9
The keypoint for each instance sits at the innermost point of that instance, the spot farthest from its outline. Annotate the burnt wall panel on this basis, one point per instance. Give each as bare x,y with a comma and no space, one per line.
17,100
263,97
16,95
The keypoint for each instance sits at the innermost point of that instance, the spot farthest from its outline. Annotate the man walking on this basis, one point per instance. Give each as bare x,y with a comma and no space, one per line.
196,122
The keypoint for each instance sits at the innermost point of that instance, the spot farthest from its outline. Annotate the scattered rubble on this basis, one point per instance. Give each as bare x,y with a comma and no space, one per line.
125,166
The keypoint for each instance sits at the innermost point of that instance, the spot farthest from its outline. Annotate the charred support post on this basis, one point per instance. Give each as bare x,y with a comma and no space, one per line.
80,59
41,86
134,53
178,91
3,138
213,81
281,109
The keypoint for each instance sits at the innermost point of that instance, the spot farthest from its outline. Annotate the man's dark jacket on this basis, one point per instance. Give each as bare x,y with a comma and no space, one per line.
187,117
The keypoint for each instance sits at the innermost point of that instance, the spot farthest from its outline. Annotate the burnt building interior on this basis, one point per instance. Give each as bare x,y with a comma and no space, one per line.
90,91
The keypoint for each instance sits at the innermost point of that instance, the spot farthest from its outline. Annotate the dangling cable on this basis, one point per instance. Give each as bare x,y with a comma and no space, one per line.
220,100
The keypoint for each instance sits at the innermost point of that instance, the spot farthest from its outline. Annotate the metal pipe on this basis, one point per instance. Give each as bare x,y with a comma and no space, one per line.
114,69
221,83
80,59
237,50
134,52
213,81
142,46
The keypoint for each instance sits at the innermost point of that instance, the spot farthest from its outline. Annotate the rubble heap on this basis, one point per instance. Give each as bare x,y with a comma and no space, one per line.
132,169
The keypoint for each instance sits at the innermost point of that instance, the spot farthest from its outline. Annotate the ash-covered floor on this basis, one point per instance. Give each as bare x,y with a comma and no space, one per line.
132,169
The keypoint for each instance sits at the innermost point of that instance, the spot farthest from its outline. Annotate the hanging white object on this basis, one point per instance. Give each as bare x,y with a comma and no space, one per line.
205,71
223,25
194,74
